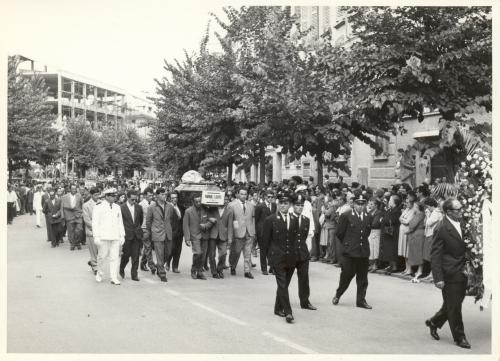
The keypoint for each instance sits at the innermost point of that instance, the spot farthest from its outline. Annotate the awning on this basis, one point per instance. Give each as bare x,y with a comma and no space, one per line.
426,134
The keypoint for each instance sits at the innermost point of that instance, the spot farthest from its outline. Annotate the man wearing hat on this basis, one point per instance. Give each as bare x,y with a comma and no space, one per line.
109,234
306,212
353,230
280,233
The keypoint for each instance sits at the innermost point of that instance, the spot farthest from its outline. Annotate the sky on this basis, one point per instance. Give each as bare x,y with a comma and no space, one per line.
120,43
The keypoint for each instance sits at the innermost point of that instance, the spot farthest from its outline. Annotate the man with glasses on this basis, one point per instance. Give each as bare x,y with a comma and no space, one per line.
132,223
109,234
177,233
448,263
262,211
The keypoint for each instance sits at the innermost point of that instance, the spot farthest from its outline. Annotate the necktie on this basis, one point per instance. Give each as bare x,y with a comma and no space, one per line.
244,208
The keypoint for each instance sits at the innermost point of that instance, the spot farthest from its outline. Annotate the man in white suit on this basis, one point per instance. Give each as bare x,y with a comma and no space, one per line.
242,222
37,205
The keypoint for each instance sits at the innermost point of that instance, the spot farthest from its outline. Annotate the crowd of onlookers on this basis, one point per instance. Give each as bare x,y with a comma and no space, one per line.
400,238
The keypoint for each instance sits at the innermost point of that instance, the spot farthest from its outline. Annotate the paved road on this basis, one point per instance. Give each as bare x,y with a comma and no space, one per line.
55,306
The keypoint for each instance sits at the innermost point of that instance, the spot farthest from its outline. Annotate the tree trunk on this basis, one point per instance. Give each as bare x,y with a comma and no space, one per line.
230,173
319,161
262,164
10,169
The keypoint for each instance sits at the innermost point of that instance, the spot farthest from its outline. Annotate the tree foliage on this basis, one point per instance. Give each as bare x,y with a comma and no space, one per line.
31,136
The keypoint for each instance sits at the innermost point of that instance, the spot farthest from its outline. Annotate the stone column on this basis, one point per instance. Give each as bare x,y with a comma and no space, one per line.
277,159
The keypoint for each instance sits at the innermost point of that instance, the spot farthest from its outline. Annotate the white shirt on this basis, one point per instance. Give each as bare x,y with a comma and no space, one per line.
72,199
107,222
220,209
37,201
11,196
131,209
456,225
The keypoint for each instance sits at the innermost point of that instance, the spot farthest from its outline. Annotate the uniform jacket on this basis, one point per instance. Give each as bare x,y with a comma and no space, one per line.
52,210
133,228
447,253
242,222
158,225
353,233
261,213
283,243
107,222
88,208
302,233
72,214
222,228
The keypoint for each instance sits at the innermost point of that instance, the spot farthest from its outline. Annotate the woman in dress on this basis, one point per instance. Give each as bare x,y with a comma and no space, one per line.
404,220
327,230
415,240
389,234
433,216
373,208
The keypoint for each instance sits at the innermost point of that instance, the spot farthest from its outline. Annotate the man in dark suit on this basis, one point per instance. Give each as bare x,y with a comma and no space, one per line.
52,211
262,211
29,200
71,209
448,262
302,265
132,223
219,235
280,234
353,230
177,233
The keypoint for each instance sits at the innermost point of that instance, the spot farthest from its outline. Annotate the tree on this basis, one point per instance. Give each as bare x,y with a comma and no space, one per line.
138,152
31,136
115,152
411,60
82,145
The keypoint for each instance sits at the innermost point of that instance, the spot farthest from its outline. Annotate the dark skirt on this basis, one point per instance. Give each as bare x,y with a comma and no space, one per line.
389,246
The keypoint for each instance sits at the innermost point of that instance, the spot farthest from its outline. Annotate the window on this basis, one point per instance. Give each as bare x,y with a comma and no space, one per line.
383,152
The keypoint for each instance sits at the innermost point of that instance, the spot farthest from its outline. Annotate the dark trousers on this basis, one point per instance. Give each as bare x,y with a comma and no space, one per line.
175,255
283,274
50,235
74,231
451,310
263,247
22,205
353,266
339,248
221,247
131,249
11,211
200,248
303,278
147,254
56,233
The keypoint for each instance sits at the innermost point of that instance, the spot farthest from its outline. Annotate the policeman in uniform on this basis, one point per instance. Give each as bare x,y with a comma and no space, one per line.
352,231
280,233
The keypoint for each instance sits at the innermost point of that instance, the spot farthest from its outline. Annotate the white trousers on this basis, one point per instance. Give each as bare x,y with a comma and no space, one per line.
38,213
109,250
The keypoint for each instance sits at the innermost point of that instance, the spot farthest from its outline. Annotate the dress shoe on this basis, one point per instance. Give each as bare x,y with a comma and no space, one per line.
463,343
289,318
193,275
167,268
164,279
89,263
135,278
53,246
153,271
363,304
280,313
175,270
309,307
216,275
79,247
433,329
271,272
254,265
205,268
144,268
248,275
233,272
335,300
95,272
116,283
122,273
221,275
201,276
265,273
